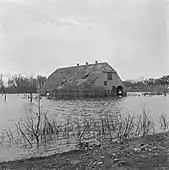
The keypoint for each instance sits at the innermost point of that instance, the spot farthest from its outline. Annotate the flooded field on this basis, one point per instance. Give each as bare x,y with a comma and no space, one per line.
16,106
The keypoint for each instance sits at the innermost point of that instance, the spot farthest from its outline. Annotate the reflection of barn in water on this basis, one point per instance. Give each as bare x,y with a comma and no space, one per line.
89,80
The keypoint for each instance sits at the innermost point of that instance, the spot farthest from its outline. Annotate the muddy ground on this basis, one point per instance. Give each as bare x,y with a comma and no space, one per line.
148,153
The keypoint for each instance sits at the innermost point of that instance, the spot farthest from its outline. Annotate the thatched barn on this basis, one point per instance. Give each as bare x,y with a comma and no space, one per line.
89,80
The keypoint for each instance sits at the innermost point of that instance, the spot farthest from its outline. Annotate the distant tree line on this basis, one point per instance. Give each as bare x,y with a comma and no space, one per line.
147,83
19,83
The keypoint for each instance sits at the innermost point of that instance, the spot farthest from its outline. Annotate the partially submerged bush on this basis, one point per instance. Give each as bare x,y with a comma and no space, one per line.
164,122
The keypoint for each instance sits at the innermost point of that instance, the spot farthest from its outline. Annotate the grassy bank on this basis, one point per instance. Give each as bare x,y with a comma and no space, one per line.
147,153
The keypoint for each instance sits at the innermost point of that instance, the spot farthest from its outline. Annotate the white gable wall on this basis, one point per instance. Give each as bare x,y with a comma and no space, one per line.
116,81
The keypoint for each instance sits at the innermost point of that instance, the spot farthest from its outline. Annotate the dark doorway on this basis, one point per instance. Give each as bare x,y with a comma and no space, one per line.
114,90
119,91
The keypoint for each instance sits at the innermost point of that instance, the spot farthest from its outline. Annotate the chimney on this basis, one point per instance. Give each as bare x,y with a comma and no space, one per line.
86,63
96,62
77,64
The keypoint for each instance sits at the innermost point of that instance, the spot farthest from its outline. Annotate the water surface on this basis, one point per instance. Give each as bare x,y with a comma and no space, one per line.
16,106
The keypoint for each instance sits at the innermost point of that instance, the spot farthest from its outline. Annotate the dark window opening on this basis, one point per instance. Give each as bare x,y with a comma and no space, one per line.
105,83
109,76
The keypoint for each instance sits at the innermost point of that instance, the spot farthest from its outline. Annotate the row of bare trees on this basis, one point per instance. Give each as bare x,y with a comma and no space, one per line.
19,83
162,81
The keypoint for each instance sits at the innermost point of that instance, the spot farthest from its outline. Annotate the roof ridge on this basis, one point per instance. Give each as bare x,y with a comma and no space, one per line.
82,65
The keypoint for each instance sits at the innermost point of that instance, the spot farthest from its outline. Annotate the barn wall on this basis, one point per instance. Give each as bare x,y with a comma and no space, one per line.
116,81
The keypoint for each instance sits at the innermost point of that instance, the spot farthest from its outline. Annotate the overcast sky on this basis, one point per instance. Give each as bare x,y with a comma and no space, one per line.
38,36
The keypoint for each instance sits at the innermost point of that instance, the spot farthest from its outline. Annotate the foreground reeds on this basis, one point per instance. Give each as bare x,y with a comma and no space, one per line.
37,129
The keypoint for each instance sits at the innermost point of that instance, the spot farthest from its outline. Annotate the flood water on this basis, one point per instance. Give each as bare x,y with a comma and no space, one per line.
16,105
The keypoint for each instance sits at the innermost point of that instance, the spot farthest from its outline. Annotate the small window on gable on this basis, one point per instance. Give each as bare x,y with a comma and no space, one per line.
109,76
105,83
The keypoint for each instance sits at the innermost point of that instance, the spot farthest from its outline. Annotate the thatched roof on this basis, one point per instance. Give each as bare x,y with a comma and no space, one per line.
76,77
